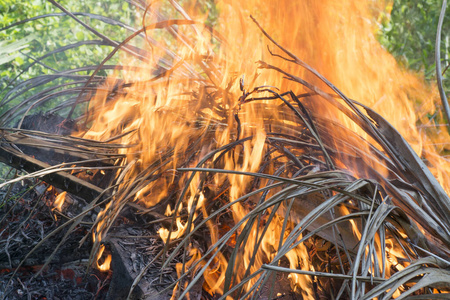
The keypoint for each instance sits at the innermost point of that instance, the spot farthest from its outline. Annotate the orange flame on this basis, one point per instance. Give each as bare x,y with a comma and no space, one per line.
164,233
59,201
105,266
335,37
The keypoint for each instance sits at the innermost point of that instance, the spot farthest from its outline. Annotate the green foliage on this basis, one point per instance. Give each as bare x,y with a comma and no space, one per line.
53,32
410,34
23,44
8,52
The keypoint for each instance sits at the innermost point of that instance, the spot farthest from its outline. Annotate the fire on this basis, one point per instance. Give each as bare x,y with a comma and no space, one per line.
105,266
164,233
171,121
59,201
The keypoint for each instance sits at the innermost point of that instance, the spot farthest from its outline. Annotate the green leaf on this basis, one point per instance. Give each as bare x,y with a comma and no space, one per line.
7,58
80,35
19,60
15,46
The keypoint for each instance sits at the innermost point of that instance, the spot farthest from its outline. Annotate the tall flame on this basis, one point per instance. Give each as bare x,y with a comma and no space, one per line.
161,120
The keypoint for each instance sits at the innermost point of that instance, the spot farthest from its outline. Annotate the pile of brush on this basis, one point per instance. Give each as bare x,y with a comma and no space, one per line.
346,213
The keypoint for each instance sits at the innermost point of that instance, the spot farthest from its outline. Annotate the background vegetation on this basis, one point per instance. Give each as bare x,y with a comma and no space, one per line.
410,33
54,31
33,29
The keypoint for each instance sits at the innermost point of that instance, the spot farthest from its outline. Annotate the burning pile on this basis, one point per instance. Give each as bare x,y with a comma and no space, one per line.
268,168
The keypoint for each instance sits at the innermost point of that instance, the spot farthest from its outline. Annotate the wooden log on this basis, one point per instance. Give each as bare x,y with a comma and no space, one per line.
60,179
128,261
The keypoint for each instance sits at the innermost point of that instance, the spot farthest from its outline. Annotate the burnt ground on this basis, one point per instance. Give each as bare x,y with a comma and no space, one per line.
27,217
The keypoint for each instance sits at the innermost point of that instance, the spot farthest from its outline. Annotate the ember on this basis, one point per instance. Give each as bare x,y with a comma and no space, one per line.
261,180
